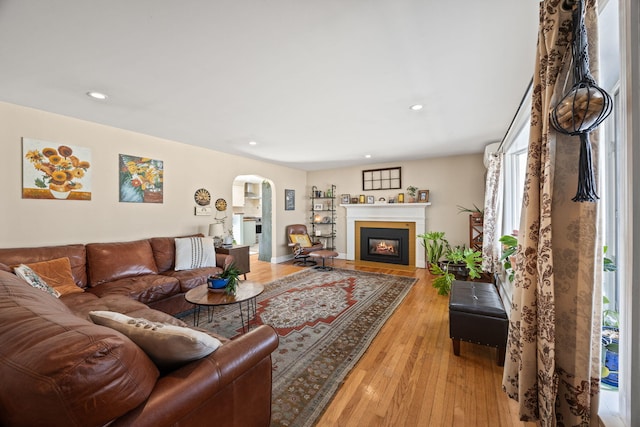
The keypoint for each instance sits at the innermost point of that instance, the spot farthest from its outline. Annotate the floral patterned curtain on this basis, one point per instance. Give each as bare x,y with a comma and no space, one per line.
492,217
552,367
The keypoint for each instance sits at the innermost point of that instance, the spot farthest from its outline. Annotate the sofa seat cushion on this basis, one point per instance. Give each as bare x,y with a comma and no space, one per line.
107,262
68,371
190,279
146,289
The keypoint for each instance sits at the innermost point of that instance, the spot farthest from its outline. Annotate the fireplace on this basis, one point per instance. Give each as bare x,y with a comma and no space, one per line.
386,245
411,216
385,242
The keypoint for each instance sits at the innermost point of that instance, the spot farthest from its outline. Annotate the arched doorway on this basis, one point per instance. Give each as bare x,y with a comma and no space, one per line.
253,214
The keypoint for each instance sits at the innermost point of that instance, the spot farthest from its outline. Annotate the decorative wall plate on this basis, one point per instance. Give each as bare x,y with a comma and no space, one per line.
221,204
202,197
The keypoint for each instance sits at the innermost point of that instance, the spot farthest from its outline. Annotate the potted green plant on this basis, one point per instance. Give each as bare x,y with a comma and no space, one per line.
226,281
435,245
509,248
610,334
461,263
411,191
443,279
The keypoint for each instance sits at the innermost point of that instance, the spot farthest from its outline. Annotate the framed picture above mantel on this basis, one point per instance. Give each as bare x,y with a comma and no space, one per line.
382,179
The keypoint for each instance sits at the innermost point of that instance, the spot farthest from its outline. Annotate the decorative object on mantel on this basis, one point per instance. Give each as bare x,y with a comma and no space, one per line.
583,108
361,199
400,197
423,196
345,199
381,179
55,173
411,191
141,179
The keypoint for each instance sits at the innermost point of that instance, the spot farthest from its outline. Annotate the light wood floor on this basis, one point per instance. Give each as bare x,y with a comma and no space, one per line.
409,375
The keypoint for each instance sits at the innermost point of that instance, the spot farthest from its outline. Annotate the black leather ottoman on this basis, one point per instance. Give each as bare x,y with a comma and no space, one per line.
476,315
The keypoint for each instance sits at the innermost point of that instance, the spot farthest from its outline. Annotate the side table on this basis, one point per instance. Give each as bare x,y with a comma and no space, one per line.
240,254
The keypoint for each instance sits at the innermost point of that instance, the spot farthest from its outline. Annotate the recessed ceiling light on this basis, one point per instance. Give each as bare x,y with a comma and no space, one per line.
367,156
416,107
97,95
253,143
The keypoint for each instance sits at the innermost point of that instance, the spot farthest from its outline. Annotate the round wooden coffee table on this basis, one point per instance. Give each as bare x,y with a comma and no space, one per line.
246,292
324,254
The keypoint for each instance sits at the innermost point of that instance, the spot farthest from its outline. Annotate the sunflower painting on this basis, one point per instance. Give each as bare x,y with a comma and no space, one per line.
141,179
54,171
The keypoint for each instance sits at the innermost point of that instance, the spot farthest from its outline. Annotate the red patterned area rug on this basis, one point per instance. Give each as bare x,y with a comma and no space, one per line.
325,321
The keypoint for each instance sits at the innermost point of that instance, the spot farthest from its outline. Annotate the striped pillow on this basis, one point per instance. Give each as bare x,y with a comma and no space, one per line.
194,252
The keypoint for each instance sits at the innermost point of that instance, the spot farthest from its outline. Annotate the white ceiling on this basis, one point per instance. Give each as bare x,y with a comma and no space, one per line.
317,84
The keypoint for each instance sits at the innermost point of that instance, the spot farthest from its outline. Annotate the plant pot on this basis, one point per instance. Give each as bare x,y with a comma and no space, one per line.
610,356
459,270
215,283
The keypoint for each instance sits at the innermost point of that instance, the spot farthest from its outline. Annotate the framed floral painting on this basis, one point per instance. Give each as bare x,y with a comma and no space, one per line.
55,171
141,179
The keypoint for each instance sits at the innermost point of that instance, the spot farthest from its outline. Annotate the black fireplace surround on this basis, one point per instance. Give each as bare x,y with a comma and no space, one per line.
386,245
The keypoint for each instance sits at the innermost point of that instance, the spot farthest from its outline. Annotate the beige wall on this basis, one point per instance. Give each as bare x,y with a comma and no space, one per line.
29,222
451,181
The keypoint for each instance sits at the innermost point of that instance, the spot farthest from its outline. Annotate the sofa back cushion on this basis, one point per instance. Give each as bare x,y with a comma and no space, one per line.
164,251
76,253
59,369
57,274
107,262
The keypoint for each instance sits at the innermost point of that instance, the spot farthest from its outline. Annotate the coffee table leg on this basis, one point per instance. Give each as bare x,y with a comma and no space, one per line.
242,317
210,310
196,315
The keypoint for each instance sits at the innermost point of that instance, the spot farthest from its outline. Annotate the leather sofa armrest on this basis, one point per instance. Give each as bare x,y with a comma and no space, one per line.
232,384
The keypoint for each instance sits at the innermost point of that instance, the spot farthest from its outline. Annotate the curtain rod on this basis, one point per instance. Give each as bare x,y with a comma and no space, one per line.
522,101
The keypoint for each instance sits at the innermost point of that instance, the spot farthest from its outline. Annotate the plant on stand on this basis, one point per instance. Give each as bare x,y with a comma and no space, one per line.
411,191
475,211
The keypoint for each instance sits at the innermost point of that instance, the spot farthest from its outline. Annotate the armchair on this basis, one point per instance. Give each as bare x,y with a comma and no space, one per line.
301,244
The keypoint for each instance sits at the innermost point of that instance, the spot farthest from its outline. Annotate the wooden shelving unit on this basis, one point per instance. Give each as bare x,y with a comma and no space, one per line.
323,221
475,232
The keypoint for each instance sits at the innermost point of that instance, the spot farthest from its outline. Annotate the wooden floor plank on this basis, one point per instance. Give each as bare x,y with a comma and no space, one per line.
409,375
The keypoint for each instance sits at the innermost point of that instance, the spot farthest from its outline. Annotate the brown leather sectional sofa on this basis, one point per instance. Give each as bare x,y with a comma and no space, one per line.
59,368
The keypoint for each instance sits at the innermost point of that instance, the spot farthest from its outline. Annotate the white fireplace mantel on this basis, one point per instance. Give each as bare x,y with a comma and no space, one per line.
401,212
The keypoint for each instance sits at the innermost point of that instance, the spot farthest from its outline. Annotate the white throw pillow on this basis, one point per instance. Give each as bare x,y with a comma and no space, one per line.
167,345
28,275
194,252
